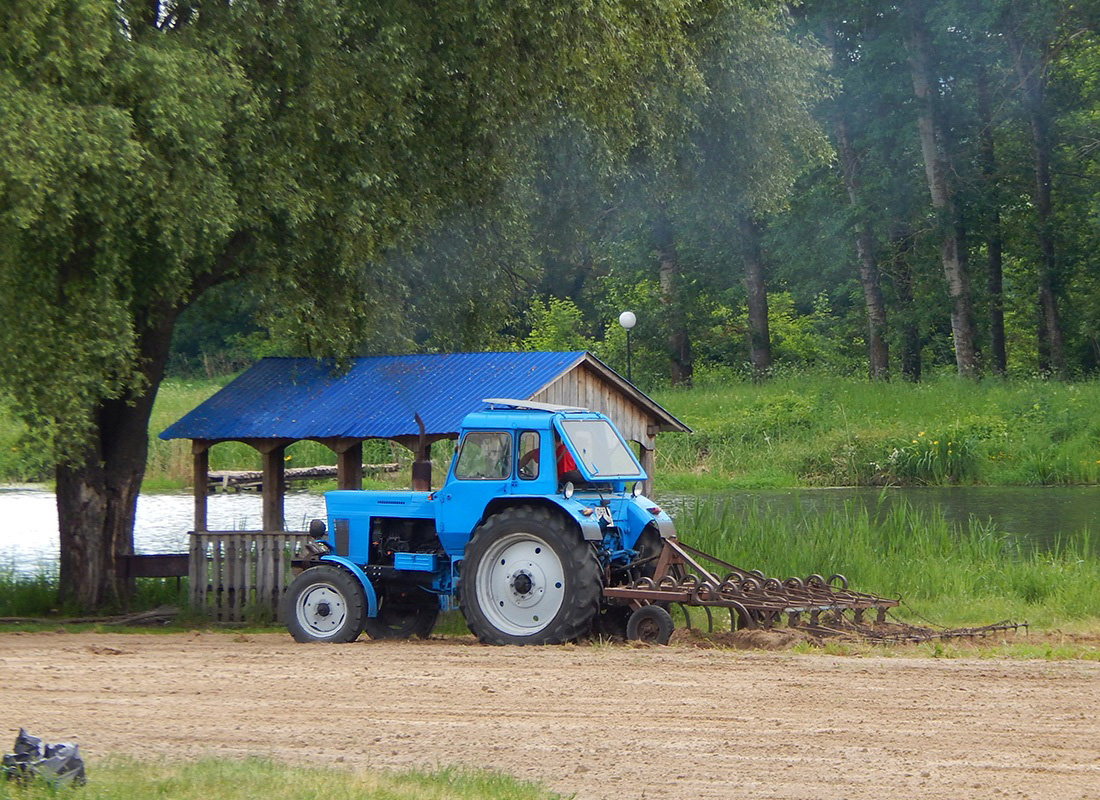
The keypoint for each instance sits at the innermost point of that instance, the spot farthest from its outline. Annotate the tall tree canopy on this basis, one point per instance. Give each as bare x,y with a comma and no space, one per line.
153,150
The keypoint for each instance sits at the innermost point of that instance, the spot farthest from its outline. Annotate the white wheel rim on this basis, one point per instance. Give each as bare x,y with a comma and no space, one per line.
321,610
520,584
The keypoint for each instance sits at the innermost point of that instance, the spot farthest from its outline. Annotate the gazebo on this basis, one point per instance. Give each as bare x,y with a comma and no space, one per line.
412,400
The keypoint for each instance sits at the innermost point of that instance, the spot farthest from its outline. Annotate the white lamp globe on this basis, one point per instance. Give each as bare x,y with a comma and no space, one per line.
627,319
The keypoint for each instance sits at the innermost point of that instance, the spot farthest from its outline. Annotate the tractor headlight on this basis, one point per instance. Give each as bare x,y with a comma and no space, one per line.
637,490
317,529
568,489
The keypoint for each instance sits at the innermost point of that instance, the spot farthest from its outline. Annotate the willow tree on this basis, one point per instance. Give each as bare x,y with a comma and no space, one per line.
152,150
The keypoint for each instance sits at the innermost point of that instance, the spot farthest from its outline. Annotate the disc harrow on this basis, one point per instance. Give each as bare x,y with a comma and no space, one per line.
685,576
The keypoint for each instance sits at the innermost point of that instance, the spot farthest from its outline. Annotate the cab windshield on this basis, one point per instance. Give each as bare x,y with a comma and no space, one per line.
600,450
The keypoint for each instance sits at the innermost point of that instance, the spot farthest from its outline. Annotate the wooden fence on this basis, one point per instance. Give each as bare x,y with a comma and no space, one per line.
237,573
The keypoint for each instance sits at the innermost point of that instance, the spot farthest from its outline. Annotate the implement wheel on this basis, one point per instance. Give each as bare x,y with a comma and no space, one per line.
528,577
325,604
650,624
402,614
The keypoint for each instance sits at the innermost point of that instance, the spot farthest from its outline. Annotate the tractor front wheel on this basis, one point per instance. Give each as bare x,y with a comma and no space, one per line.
325,604
527,577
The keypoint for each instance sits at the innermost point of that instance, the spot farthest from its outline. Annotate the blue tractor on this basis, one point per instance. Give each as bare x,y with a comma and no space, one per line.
541,514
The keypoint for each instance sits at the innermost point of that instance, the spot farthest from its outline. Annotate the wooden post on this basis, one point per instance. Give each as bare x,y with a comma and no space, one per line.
349,466
200,475
274,489
648,464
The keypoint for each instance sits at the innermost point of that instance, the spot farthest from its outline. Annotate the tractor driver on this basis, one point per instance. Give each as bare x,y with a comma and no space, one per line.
566,466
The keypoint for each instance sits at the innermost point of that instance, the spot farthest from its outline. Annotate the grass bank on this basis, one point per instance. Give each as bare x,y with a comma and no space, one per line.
253,779
812,430
795,430
952,575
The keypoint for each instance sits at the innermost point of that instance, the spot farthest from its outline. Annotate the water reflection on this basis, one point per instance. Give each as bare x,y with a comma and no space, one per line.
28,522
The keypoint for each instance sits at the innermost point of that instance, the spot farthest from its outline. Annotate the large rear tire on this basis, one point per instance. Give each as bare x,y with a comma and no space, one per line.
325,604
527,577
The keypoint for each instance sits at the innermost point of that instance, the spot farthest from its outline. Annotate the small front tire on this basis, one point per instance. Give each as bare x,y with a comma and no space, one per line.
325,604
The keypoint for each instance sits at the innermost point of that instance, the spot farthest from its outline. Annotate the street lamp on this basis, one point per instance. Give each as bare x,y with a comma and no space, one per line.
628,321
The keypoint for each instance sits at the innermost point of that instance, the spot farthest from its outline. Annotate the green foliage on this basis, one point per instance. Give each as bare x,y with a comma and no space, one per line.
556,325
811,429
932,458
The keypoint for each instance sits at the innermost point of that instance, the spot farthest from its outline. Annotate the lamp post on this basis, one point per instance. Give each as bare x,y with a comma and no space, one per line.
628,321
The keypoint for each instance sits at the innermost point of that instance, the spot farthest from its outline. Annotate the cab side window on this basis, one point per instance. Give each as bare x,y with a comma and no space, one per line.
485,455
528,455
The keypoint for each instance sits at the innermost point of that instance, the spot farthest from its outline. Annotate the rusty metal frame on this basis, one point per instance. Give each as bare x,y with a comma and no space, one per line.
691,578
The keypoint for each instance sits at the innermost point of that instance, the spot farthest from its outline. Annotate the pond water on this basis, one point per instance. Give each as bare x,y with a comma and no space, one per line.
29,538
28,522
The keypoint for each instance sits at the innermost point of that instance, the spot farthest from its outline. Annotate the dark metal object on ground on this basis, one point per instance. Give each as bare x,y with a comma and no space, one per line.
57,764
688,577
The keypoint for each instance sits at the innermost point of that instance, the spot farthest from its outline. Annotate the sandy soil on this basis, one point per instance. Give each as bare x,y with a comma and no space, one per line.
605,721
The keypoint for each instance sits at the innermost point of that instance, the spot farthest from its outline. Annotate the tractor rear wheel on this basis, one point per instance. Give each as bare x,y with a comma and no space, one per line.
325,604
402,614
527,577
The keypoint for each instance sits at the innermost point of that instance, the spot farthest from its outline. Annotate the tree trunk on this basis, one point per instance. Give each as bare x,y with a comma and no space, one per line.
937,169
1033,77
994,241
878,355
760,349
679,341
901,243
97,498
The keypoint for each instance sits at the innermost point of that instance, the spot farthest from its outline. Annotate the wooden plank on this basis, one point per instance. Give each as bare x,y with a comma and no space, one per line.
161,565
216,577
195,564
262,567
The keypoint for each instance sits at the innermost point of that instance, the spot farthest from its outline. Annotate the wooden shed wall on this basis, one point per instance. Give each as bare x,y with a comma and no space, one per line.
582,386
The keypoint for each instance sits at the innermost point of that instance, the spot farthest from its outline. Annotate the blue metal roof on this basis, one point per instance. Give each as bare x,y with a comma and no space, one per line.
301,398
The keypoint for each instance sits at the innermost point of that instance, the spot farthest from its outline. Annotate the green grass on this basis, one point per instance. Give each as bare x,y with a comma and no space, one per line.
812,430
253,779
795,430
36,595
949,574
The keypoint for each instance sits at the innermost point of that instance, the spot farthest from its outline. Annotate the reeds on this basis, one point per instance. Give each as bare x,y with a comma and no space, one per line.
953,574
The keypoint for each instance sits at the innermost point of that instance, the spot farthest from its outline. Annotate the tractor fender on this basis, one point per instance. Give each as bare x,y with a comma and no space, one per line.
640,512
589,526
353,568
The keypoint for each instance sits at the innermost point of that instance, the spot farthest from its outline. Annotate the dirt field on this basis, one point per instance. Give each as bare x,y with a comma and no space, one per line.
601,721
